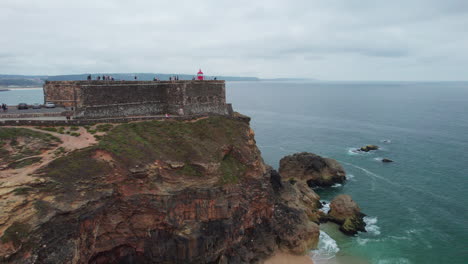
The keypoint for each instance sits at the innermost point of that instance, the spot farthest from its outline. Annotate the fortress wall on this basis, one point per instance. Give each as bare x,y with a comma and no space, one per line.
61,93
98,99
116,94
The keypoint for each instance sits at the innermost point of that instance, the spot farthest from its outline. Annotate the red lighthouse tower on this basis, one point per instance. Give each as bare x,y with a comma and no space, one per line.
200,75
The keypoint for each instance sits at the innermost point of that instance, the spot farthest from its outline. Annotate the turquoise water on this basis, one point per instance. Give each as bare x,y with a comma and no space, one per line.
416,206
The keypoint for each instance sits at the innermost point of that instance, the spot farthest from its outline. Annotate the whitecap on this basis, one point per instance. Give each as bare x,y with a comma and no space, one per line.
387,141
371,225
336,185
326,249
378,159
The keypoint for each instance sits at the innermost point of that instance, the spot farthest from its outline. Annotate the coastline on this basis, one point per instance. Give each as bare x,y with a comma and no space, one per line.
285,258
7,88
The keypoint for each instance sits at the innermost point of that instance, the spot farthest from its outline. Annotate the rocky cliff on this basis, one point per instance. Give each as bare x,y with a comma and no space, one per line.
150,192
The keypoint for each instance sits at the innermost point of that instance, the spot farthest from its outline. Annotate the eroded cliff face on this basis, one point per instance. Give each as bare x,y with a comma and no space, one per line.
156,192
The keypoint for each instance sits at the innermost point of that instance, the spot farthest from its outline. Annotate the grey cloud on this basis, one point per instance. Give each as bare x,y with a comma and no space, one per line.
276,38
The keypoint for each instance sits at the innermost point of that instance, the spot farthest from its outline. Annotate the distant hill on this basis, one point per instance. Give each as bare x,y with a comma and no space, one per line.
38,80
289,79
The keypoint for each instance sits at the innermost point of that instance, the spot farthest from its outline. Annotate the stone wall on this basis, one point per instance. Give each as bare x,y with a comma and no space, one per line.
82,122
101,99
61,93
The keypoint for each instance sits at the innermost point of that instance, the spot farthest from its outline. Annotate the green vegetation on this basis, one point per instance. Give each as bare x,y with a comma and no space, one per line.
231,169
24,162
104,127
50,129
12,133
22,190
59,151
190,170
76,168
16,233
24,143
74,128
143,142
42,207
75,134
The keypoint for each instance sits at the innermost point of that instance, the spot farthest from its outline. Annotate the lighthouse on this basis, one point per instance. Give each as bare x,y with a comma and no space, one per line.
200,75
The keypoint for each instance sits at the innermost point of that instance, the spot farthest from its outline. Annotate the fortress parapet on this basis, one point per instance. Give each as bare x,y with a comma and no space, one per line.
102,99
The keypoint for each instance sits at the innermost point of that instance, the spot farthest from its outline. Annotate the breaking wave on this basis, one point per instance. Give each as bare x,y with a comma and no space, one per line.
326,249
326,206
371,225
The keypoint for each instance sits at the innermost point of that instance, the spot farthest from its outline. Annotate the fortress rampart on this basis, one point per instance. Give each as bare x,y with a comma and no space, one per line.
103,99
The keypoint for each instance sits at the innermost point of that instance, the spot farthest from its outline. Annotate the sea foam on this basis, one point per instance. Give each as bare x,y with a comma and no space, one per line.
371,225
394,261
326,206
326,249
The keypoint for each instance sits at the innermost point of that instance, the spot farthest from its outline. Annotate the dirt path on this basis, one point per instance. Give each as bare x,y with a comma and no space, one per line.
12,178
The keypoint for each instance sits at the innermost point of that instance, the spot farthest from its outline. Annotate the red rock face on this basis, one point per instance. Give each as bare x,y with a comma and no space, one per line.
93,206
191,226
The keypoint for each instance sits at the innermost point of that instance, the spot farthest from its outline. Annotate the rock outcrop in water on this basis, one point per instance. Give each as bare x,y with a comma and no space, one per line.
345,212
312,169
158,192
369,148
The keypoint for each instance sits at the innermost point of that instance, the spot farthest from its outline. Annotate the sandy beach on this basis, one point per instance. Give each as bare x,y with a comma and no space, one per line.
284,258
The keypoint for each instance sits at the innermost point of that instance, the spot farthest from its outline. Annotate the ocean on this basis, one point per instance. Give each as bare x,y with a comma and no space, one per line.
416,207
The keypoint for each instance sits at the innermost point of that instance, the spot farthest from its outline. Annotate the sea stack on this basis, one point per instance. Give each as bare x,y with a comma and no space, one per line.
345,212
312,169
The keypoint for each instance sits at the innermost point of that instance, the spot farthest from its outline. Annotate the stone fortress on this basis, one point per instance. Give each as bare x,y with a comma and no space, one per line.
95,99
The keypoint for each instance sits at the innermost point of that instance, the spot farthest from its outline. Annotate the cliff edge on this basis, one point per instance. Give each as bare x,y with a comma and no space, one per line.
149,192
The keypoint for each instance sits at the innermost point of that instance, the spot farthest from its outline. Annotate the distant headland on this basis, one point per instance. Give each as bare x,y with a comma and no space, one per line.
38,80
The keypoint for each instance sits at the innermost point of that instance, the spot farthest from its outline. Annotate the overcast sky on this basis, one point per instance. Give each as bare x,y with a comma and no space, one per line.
327,39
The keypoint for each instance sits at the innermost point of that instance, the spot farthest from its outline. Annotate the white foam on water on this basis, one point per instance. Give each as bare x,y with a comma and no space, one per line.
394,261
326,206
362,241
326,249
371,225
378,159
387,141
354,151
375,175
336,185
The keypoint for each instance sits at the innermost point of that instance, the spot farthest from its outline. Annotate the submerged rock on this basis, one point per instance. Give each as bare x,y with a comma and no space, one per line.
312,169
386,160
345,212
369,148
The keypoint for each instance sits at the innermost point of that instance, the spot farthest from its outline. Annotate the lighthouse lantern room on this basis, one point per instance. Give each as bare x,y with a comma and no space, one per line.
200,75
